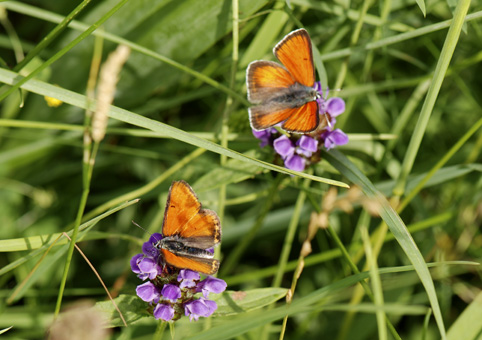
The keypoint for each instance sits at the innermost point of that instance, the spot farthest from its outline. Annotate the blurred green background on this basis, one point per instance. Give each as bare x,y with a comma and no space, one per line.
186,70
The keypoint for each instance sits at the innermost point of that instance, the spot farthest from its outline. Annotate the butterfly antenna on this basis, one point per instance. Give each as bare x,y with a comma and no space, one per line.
137,225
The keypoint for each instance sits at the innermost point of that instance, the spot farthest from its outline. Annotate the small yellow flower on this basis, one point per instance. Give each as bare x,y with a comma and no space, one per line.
53,102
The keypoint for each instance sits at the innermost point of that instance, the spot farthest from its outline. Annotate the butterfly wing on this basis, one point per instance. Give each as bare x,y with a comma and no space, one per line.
185,218
198,264
265,80
295,53
305,119
265,116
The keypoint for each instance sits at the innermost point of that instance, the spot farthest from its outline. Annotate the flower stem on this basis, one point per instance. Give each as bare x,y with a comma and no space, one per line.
161,326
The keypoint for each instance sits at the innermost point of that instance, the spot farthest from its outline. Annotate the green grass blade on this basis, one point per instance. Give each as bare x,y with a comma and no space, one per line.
396,225
20,81
468,325
79,100
428,105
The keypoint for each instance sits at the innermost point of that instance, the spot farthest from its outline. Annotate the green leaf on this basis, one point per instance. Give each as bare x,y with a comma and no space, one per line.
421,5
131,306
468,325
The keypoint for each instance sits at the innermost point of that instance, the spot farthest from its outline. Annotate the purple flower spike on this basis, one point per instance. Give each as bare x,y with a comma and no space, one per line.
187,278
335,106
334,138
295,162
211,285
200,307
283,146
148,292
163,312
171,292
149,267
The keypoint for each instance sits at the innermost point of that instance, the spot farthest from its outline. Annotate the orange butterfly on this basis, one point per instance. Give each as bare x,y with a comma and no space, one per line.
188,230
285,93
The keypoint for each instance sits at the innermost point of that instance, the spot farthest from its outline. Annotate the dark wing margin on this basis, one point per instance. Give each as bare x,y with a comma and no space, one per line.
295,53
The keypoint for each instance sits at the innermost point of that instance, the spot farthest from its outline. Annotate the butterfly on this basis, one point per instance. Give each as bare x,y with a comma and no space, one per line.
285,93
188,231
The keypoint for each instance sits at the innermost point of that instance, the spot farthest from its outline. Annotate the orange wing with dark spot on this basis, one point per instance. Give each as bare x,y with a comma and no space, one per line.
203,265
185,218
295,53
305,119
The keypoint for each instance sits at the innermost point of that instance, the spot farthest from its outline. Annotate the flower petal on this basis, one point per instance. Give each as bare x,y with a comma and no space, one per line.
163,312
335,106
171,292
148,292
211,285
308,143
200,307
135,263
334,138
283,146
295,162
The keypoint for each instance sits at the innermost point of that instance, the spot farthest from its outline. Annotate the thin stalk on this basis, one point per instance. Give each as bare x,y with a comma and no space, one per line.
432,94
161,326
407,199
146,188
51,36
376,283
233,259
227,110
355,270
67,48
290,235
353,41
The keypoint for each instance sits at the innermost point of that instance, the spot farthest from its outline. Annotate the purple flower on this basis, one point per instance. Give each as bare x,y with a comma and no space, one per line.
211,285
306,146
334,138
319,88
148,292
295,162
149,268
171,292
283,146
149,248
200,307
135,263
335,106
264,136
187,277
163,312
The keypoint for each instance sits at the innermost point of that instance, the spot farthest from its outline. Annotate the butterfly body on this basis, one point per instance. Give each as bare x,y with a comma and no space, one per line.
188,231
178,247
292,97
284,93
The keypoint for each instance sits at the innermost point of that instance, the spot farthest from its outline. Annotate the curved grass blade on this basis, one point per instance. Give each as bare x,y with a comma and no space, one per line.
126,116
396,225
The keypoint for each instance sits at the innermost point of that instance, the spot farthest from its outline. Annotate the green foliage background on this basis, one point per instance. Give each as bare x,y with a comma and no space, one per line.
412,87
